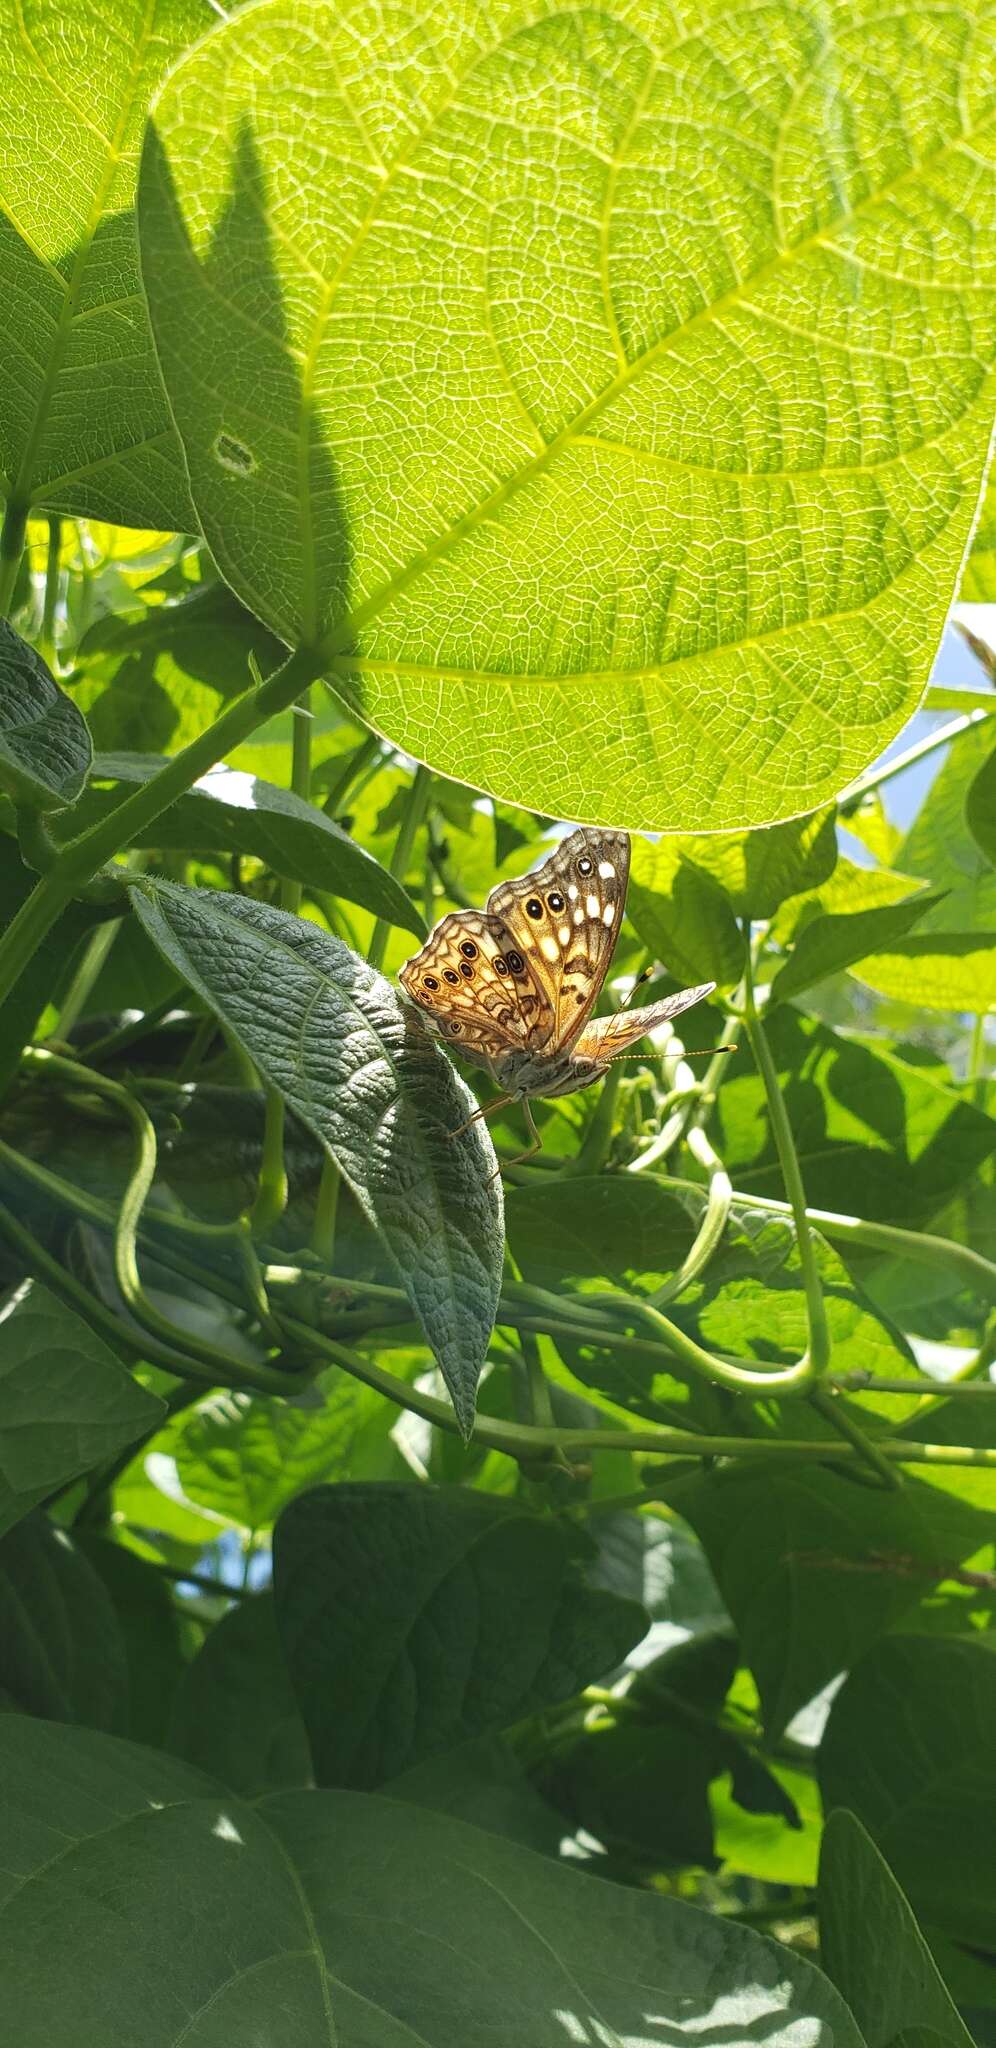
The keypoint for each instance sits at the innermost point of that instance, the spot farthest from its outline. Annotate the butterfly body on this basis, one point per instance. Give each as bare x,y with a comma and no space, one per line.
512,987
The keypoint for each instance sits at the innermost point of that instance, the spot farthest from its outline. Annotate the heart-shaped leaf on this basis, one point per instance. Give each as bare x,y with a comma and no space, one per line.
146,1904
84,424
414,1620
863,1917
619,457
356,1066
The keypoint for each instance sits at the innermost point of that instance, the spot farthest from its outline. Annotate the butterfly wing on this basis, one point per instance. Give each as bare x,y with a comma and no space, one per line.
563,919
607,1037
475,988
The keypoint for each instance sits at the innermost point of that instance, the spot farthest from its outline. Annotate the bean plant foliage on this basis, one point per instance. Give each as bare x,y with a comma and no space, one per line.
447,1597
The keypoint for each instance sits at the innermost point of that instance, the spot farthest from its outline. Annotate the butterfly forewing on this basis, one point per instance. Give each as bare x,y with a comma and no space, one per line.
564,919
477,989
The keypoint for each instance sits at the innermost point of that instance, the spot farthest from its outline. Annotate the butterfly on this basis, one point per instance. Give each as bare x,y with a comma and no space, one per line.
512,987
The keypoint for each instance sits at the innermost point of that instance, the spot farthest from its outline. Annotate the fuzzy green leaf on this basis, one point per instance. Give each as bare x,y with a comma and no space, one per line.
45,749
357,1068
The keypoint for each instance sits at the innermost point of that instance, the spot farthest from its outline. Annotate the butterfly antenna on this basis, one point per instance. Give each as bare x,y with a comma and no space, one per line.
646,975
701,1052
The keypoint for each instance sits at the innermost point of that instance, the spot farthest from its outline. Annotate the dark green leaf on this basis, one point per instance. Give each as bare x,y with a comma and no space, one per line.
830,943
150,1631
145,1903
483,1784
908,1747
414,1620
66,1402
235,1713
875,1136
358,1069
86,428
48,972
45,749
232,812
815,1567
62,1655
865,1918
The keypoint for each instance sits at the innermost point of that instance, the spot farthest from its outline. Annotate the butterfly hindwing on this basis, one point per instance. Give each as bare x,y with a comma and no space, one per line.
607,1037
564,919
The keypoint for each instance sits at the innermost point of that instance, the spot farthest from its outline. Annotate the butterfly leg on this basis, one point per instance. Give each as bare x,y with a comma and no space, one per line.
488,1110
531,1150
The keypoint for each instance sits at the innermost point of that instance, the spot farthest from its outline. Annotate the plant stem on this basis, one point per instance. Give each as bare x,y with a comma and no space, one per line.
850,798
326,1211
713,1224
972,1267
52,562
977,1062
833,1411
12,532
415,809
80,858
819,1347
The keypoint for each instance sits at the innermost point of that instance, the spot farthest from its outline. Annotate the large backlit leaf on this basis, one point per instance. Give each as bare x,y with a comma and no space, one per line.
148,1905
414,1619
45,749
908,1747
863,1917
938,970
84,425
619,454
357,1068
66,1403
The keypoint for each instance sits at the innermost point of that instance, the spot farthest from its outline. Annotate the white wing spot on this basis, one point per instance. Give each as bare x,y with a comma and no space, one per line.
579,913
608,913
592,907
606,870
564,934
550,949
572,891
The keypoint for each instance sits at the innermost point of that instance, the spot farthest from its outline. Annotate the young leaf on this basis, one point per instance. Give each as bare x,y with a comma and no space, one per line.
645,547
86,427
229,812
358,1069
814,1567
413,1620
908,1747
45,749
62,1655
148,1901
864,1917
830,943
246,1458
66,1403
938,970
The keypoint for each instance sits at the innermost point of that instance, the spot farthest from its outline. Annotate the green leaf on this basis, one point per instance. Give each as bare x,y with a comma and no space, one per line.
668,535
815,1567
413,1620
755,871
229,811
150,681
831,943
45,749
875,1136
683,915
62,1655
235,1713
980,808
936,970
246,1457
85,425
67,1402
48,972
940,846
357,1068
148,1903
978,584
908,1747
863,1918
150,1631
